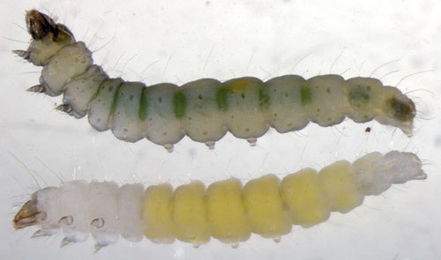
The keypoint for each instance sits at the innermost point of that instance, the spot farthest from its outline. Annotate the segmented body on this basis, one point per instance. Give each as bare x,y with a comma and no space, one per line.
225,210
205,109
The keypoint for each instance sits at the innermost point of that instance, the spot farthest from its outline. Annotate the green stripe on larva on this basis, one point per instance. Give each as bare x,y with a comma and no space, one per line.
97,92
115,101
143,104
245,107
305,95
264,98
222,98
179,104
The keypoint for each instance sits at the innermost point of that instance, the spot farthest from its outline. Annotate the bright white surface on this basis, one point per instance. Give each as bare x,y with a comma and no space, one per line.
179,41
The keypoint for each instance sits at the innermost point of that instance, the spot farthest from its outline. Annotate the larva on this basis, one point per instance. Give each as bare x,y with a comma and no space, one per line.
225,210
204,109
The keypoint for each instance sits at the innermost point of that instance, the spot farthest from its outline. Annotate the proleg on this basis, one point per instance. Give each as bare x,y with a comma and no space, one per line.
225,210
205,109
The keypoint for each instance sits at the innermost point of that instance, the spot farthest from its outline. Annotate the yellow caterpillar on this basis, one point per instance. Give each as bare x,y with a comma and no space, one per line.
206,109
225,210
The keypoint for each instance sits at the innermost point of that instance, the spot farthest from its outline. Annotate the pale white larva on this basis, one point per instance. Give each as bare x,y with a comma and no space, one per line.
204,109
225,210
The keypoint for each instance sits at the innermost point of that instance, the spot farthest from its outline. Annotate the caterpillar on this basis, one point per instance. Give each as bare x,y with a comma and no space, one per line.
206,109
225,210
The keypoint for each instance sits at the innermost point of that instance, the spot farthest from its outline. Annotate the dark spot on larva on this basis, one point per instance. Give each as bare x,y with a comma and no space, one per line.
247,129
290,124
329,119
366,116
125,130
358,97
275,114
232,117
160,99
98,119
328,90
110,89
318,109
150,119
189,118
131,97
164,133
286,95
98,100
242,95
200,96
368,88
403,109
204,133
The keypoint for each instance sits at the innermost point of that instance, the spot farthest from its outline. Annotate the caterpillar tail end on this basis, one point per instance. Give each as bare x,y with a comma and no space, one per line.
27,216
406,127
377,173
402,110
394,162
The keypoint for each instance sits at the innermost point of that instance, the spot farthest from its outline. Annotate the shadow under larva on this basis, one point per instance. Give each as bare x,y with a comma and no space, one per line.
206,109
225,210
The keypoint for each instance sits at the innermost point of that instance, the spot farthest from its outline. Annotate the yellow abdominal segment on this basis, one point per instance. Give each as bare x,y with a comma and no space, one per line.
157,213
265,206
225,211
189,214
301,195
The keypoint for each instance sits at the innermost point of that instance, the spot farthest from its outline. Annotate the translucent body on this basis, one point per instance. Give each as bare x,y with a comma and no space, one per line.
225,210
204,109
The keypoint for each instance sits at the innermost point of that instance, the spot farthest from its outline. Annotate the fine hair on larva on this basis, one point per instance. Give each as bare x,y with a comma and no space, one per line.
205,109
225,210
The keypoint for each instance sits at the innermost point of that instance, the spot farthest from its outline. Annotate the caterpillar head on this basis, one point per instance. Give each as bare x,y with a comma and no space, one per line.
47,38
28,215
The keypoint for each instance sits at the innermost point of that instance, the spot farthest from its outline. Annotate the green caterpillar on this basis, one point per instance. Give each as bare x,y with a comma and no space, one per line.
204,109
225,210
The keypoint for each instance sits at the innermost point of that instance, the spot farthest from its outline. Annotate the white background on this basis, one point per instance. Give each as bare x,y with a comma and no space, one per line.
180,41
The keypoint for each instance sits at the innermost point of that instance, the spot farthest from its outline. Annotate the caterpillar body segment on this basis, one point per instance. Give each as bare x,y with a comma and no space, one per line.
225,210
204,109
